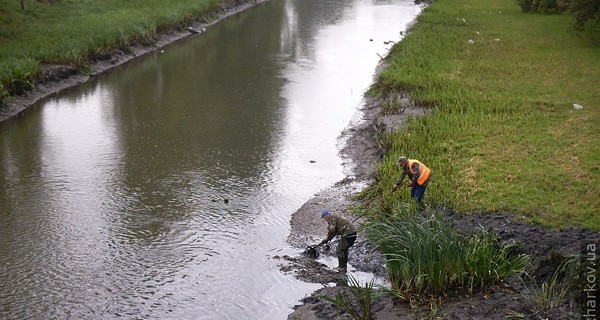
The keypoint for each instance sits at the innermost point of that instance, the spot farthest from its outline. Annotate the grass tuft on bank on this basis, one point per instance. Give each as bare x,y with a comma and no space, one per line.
502,133
69,32
427,256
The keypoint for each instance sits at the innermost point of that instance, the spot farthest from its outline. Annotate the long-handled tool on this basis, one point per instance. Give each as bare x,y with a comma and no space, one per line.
376,202
311,251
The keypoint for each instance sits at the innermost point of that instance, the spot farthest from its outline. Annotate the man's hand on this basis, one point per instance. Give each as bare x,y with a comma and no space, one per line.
409,184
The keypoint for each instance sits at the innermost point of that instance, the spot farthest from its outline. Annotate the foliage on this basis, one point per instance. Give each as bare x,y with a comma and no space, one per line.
572,279
542,6
425,255
584,12
358,302
16,75
550,294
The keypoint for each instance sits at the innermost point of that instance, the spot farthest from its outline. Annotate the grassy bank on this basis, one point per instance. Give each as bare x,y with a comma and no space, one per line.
503,133
68,32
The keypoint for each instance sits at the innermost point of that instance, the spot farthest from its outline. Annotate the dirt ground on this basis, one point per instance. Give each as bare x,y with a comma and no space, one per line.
509,300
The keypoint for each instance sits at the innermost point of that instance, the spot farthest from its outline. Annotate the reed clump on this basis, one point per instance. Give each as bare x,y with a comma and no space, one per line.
425,256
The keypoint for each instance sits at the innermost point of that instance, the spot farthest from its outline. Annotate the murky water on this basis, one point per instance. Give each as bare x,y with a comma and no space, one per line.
163,189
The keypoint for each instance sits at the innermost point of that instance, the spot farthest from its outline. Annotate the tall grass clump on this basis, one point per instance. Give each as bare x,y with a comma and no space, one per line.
17,75
552,293
573,279
425,255
357,301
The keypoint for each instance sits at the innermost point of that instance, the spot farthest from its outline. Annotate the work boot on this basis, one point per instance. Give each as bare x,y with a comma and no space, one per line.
342,265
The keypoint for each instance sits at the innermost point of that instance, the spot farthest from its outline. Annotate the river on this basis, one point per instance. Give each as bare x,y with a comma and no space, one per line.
164,188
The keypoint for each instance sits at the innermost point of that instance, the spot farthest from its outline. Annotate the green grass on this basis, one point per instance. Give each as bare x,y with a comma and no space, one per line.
68,32
502,133
426,256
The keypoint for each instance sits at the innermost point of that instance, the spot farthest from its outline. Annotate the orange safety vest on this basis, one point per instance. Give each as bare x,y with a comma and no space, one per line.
423,171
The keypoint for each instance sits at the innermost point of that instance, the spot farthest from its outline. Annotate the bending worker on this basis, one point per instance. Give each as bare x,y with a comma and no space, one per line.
418,175
337,225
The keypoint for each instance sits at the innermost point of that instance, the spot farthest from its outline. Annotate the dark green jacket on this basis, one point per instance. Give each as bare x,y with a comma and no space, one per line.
339,226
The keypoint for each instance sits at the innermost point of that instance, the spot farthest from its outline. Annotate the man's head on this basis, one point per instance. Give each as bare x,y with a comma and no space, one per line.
402,161
325,215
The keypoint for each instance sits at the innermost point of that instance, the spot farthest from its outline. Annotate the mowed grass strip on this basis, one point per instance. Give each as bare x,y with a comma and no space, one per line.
71,31
503,133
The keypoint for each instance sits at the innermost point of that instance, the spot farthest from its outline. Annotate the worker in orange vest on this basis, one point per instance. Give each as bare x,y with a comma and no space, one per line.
418,174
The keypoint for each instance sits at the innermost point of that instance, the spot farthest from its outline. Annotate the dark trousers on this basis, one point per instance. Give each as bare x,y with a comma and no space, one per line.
342,249
418,192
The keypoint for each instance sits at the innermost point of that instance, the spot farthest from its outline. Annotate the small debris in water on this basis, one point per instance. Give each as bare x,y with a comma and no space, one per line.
312,161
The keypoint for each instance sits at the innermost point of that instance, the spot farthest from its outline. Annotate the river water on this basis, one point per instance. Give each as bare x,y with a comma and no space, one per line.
164,188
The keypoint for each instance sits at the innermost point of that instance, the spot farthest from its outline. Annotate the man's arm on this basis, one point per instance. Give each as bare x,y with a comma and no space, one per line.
330,233
399,181
415,168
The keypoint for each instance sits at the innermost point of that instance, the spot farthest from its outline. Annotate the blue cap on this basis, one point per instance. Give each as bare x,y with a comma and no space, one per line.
324,213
